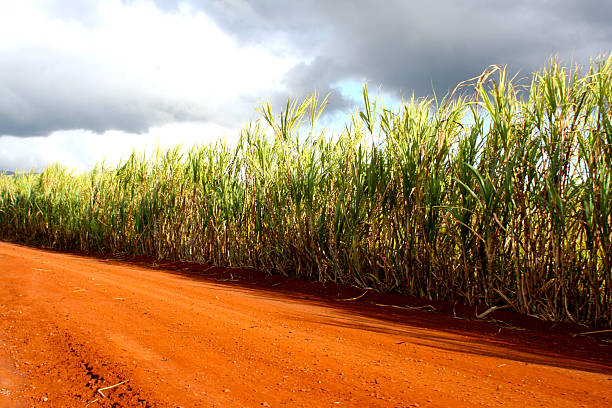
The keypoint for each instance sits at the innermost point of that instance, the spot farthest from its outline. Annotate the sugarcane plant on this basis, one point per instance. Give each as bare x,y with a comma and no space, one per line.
500,194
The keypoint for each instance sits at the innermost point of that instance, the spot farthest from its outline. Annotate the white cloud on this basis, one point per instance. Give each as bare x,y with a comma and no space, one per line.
82,149
130,67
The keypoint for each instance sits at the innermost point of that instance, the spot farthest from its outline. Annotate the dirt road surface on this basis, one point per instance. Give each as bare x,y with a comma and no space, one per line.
88,332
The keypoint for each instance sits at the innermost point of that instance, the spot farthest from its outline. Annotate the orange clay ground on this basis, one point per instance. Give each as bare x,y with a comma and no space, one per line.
181,335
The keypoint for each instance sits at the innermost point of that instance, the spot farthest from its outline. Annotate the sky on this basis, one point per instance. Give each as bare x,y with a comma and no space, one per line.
86,81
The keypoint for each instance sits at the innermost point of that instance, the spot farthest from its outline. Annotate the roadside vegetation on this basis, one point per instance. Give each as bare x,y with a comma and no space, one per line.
499,195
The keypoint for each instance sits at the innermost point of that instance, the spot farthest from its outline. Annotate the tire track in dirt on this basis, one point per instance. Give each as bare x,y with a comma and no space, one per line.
74,325
54,368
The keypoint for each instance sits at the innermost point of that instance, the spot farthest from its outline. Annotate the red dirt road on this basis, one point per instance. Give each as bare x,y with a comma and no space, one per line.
72,325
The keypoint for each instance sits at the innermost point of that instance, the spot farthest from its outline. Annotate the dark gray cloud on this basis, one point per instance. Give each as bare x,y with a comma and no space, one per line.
406,46
42,91
319,75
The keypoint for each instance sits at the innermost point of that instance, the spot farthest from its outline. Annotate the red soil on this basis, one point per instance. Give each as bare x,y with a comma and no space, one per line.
71,325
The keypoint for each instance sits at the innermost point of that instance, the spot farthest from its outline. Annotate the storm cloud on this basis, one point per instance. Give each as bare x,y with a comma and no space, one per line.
131,66
409,45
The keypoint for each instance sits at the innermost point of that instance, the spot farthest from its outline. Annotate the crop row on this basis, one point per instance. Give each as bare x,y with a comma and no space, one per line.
500,194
